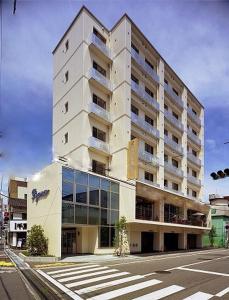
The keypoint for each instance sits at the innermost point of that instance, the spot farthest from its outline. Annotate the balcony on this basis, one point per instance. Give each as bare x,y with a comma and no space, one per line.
171,93
148,158
194,159
97,44
98,145
18,226
101,81
173,170
143,65
99,113
193,116
194,137
177,147
174,121
194,180
140,92
144,125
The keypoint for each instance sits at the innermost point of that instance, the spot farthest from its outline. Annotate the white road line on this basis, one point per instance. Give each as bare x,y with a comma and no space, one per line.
223,292
199,296
125,290
87,275
70,293
203,271
149,274
107,284
172,289
91,280
79,272
71,269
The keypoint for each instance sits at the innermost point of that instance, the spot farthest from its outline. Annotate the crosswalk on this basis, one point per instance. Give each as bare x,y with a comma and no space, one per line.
96,282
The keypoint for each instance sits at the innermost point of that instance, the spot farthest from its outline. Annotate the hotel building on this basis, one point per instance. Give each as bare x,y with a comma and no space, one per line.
128,140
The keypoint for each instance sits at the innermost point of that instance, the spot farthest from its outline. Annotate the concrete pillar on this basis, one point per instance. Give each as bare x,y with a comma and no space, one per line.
161,210
158,243
14,240
182,241
199,241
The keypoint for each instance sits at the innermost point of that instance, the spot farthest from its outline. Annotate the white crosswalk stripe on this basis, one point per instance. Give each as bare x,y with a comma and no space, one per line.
199,296
86,275
159,294
79,272
72,269
125,290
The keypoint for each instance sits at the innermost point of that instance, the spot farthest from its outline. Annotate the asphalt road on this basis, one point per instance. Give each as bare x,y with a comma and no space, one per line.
197,275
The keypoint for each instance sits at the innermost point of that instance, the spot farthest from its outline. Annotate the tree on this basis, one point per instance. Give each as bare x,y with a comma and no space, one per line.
212,235
121,240
37,243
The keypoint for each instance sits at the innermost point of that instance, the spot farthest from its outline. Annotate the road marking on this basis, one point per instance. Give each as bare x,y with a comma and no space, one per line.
70,293
125,290
78,283
203,271
149,274
223,292
108,284
71,269
79,272
172,289
199,296
87,275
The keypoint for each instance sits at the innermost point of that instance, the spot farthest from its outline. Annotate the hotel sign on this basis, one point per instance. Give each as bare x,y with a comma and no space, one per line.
37,196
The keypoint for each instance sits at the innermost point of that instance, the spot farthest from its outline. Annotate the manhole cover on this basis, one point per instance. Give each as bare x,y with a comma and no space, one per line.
162,272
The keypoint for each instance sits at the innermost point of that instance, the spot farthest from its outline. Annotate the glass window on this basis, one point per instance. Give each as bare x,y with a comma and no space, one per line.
67,191
68,174
94,196
104,199
93,216
81,178
114,217
94,181
80,214
104,236
105,219
105,184
112,237
134,110
134,47
67,213
148,176
81,194
114,201
114,187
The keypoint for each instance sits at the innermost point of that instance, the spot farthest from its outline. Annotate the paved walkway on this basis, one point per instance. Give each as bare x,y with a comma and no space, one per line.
96,258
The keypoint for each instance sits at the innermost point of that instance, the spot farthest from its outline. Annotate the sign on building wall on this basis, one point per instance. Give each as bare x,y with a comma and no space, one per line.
37,196
132,159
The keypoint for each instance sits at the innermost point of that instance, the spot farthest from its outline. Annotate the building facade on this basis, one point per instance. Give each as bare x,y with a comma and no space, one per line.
121,112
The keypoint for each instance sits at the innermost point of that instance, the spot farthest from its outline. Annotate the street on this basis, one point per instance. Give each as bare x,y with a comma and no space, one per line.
199,275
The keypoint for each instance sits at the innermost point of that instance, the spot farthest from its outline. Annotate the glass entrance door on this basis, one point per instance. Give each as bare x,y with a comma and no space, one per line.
69,241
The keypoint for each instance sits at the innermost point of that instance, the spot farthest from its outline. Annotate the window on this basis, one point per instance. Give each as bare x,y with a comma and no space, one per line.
100,102
175,186
105,198
102,39
175,115
195,113
98,167
149,176
67,213
81,214
166,182
149,92
175,91
187,170
66,45
81,193
166,132
194,132
94,196
194,173
134,79
67,191
166,158
166,107
148,148
134,109
175,139
132,137
99,134
194,194
149,120
93,216
135,48
175,163
194,152
65,107
149,64
99,68
166,81
25,196
66,138
66,77
114,201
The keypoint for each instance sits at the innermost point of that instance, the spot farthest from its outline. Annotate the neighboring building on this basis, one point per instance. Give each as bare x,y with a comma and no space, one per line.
120,111
220,218
17,209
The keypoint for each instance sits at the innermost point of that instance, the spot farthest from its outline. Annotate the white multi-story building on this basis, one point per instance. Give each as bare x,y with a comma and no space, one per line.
120,111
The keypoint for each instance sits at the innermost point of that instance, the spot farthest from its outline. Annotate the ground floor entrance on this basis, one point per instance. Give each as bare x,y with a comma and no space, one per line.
147,242
170,241
191,241
68,241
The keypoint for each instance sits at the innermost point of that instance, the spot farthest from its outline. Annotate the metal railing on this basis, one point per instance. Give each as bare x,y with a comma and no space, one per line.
93,73
96,109
194,159
141,62
144,96
148,157
193,137
173,120
144,125
193,116
93,39
173,145
194,180
171,93
171,169
98,144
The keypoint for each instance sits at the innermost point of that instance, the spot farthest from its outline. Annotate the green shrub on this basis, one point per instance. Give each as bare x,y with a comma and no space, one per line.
37,243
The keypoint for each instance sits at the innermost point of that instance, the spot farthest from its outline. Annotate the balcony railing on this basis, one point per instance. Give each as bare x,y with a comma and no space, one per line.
143,213
141,62
194,180
148,158
173,120
173,170
193,116
171,93
144,125
194,137
94,74
99,111
98,144
93,39
191,222
177,147
194,159
144,96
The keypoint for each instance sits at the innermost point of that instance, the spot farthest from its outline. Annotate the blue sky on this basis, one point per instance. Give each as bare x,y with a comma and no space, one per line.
192,36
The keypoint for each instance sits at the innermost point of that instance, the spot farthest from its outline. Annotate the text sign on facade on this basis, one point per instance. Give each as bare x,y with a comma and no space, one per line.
37,196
